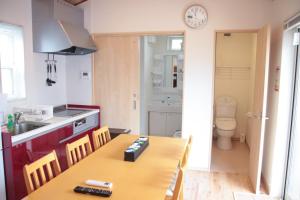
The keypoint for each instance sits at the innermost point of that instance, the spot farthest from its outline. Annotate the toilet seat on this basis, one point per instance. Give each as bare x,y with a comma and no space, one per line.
226,124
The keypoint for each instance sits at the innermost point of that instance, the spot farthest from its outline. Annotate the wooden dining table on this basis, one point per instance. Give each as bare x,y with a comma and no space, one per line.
147,178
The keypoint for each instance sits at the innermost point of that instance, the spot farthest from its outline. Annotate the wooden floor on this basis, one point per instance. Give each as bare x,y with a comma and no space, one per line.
214,185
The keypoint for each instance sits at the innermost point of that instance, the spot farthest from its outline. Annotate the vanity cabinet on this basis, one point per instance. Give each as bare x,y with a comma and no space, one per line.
157,123
173,123
164,123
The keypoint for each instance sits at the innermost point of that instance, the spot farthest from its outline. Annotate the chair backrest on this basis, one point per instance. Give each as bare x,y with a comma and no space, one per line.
40,171
190,140
101,137
178,186
185,156
78,150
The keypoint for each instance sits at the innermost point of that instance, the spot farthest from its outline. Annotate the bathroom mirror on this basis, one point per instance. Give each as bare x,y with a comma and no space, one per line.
172,71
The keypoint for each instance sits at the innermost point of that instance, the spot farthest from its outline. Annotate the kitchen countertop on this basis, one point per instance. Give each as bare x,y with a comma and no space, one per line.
53,124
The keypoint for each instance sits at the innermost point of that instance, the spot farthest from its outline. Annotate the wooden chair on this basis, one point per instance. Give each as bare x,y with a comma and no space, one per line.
187,152
35,172
185,156
177,193
78,150
101,137
190,141
182,165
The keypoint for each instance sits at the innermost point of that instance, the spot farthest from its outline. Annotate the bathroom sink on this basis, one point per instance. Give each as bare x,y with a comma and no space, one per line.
164,106
26,126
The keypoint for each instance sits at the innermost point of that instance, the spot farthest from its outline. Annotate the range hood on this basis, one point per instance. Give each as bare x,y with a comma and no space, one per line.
57,28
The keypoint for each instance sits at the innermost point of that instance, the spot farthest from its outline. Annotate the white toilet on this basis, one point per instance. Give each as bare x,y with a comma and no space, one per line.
225,121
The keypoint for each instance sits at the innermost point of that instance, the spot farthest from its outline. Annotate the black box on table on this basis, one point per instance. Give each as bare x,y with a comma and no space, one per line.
135,150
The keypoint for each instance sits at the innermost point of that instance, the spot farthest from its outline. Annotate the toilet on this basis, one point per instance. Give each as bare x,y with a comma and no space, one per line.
225,121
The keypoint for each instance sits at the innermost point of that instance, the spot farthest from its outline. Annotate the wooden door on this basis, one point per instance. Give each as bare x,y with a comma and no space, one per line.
258,120
116,80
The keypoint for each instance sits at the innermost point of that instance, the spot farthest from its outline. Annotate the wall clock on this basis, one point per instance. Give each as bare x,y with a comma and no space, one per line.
195,16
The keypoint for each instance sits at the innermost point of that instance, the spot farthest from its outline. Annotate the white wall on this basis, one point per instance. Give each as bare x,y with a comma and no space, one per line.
19,13
166,15
78,90
275,138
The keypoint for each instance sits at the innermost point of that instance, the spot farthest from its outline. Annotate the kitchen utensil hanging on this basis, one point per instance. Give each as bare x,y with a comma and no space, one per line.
54,67
51,67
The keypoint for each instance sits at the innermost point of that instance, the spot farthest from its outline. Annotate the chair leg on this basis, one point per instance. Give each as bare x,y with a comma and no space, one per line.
181,194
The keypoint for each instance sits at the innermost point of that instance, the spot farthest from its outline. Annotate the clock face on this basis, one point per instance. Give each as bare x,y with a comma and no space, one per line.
195,16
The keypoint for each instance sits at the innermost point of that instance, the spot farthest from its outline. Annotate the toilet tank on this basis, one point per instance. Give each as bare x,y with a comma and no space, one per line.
225,107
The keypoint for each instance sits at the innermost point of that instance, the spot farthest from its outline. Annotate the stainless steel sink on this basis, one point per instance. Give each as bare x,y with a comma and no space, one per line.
26,126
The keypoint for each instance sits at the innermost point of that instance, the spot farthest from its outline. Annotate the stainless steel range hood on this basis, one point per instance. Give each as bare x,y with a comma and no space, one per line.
57,28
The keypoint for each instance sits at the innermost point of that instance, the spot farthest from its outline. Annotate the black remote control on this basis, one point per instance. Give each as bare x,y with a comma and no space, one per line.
93,191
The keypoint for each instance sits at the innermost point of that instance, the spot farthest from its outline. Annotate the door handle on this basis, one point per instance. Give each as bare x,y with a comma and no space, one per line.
68,138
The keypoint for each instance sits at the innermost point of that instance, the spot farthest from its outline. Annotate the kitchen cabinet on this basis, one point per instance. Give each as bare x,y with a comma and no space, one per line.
164,123
29,151
19,154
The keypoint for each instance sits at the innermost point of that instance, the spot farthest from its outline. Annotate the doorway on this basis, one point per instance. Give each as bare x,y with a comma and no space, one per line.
138,79
241,86
162,68
234,81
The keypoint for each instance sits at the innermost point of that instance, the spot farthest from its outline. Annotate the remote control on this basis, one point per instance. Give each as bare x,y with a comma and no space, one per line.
99,183
93,191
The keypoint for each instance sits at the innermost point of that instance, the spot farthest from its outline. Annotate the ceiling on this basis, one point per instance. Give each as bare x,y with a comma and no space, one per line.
75,2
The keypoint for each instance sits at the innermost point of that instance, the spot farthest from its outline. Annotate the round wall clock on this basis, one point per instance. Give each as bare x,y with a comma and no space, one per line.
195,16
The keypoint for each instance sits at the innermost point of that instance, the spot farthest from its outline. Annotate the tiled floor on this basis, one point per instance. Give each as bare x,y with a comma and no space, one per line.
235,160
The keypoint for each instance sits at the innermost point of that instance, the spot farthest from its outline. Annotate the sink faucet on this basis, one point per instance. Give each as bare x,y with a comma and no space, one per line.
17,116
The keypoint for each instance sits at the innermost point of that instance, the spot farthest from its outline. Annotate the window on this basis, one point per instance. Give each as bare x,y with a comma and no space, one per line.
12,75
175,43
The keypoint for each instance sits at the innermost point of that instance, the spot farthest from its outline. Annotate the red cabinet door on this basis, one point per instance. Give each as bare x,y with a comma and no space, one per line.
28,152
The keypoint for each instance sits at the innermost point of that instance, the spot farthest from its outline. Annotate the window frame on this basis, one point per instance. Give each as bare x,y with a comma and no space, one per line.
169,43
20,96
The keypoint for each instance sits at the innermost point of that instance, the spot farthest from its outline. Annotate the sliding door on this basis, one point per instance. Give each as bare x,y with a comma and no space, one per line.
116,80
292,187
